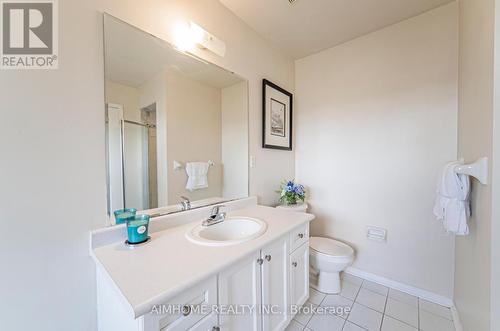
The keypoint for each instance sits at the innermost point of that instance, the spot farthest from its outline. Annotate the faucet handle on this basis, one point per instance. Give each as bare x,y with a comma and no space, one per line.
216,209
186,203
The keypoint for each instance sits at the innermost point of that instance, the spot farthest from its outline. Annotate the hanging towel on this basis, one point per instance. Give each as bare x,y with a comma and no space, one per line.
197,175
452,205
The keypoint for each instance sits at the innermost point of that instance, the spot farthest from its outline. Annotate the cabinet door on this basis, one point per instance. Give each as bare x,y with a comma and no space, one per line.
299,275
240,287
275,285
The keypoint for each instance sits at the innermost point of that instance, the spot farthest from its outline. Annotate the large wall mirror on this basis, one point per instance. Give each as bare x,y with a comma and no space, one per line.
176,126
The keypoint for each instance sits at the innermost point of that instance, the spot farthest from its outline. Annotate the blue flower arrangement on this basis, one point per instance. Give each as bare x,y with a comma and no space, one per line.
291,193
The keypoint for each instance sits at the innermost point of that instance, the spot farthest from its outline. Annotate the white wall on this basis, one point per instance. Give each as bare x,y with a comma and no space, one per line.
234,102
52,172
495,219
193,134
475,139
127,96
53,183
376,121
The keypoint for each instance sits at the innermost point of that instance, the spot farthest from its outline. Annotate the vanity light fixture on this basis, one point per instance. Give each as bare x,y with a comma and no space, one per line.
205,40
189,35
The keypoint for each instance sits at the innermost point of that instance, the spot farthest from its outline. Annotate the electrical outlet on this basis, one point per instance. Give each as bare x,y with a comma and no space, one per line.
376,234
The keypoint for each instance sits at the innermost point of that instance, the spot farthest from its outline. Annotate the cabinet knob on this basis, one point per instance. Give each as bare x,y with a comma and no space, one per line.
186,310
301,235
268,257
260,261
294,264
216,328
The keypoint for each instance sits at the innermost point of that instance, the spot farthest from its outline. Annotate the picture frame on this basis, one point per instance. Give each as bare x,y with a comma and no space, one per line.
277,117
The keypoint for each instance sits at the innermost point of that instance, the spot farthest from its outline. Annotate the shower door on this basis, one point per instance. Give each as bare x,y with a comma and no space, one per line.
131,158
135,165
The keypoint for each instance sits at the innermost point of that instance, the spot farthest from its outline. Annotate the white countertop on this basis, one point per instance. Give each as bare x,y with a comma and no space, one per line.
170,263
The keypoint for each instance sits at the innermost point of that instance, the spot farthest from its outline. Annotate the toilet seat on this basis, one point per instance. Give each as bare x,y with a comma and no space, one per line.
331,248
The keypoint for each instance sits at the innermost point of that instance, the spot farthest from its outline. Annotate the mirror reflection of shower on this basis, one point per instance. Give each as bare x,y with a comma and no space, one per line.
148,115
132,157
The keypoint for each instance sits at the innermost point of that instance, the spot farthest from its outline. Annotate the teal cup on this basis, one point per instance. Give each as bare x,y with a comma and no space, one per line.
123,215
137,229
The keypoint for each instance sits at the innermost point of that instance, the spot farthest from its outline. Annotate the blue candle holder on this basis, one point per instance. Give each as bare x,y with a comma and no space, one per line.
124,215
137,229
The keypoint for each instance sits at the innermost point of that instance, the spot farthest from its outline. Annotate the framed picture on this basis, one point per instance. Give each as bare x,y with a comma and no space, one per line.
277,117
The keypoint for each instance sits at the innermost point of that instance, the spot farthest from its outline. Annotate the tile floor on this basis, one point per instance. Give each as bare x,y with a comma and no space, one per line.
373,307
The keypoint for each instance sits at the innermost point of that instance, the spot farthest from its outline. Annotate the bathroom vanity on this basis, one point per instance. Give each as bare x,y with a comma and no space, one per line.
174,283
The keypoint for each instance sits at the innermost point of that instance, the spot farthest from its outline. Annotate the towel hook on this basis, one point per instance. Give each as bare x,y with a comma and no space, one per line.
478,170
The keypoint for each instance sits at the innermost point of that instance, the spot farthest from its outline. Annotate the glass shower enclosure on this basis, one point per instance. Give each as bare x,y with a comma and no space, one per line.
131,159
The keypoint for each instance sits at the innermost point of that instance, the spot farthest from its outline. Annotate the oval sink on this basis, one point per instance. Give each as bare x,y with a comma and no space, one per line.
233,230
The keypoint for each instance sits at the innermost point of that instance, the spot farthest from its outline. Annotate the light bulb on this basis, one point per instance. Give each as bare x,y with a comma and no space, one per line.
183,39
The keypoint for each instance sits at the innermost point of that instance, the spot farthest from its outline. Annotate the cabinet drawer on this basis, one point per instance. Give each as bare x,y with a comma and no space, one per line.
184,311
206,324
299,236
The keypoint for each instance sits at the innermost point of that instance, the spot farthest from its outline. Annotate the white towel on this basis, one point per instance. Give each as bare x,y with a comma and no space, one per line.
197,175
452,205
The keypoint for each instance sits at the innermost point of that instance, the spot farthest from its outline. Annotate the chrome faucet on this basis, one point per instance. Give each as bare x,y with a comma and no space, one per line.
185,203
215,216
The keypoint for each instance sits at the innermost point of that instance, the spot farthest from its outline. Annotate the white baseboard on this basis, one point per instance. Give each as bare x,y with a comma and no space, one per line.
415,291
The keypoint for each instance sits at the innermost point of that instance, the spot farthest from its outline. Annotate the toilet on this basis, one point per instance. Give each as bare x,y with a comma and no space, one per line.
327,258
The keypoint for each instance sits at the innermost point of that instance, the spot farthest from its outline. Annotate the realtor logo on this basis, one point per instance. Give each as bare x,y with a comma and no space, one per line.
29,34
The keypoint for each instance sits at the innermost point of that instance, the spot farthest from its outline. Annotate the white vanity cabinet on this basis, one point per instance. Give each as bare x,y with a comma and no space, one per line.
261,283
252,294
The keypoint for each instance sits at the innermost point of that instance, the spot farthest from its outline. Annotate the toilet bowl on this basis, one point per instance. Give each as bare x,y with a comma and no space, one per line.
328,257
